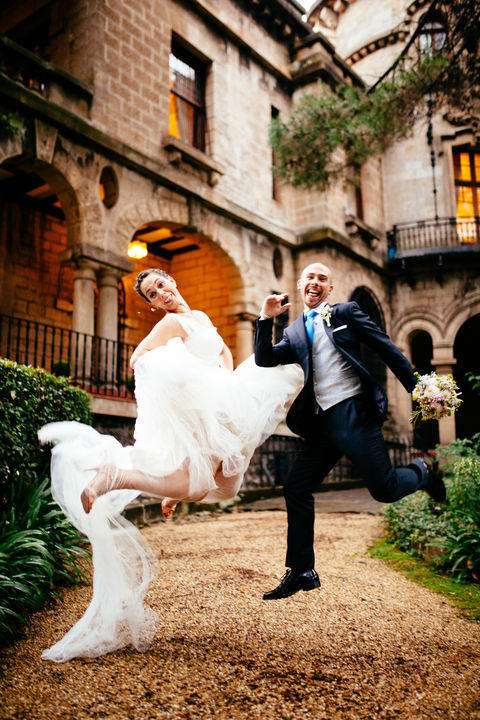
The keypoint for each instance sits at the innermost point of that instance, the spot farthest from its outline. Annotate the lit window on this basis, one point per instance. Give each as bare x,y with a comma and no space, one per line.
466,163
187,97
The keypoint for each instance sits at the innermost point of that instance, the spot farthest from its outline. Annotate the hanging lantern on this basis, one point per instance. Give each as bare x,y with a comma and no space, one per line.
137,250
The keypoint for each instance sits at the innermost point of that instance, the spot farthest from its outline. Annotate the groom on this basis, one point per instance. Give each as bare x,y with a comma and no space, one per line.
338,412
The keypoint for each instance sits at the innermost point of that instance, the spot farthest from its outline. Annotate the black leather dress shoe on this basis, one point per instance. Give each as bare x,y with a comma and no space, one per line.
434,485
292,582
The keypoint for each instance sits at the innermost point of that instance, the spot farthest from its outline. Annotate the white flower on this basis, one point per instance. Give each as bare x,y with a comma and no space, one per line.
325,313
436,395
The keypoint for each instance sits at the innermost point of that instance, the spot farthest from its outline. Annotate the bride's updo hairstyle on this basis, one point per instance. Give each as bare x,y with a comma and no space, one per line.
145,273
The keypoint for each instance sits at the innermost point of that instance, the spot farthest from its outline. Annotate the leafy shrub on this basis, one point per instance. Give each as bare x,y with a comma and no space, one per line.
461,543
29,398
417,524
38,545
61,368
39,548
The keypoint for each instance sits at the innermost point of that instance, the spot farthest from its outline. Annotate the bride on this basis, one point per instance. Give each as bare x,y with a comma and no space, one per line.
198,424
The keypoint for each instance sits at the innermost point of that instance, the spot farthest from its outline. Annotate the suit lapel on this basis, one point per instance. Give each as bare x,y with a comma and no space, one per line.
298,334
300,344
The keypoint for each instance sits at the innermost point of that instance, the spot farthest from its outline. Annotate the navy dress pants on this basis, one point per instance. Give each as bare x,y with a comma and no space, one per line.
345,429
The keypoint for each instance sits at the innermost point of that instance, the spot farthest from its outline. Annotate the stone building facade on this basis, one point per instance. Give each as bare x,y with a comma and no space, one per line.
147,121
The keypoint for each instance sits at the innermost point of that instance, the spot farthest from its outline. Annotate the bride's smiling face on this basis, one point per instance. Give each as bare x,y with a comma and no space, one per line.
161,292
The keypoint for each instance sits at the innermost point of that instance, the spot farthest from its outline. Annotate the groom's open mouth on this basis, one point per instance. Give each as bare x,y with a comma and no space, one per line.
313,294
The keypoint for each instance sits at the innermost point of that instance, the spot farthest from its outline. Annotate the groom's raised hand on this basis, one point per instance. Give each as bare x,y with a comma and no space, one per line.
275,305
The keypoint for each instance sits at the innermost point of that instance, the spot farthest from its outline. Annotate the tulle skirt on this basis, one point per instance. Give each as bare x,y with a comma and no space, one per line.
191,415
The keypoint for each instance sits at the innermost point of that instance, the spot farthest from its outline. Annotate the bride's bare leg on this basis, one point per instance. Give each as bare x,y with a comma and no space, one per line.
109,478
169,504
227,487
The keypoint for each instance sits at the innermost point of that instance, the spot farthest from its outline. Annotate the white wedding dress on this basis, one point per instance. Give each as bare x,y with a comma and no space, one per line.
192,415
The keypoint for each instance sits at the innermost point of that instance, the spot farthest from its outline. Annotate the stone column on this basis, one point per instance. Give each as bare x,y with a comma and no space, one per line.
107,314
107,326
244,326
83,316
443,363
83,323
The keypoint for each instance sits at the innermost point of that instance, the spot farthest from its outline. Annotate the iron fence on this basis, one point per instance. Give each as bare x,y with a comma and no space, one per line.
278,452
98,365
449,233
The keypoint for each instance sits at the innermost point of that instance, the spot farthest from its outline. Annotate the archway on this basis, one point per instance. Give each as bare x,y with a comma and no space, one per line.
425,433
205,274
368,302
465,351
33,232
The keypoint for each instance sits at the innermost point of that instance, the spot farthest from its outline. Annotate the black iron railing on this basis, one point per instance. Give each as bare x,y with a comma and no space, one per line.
98,365
434,235
278,451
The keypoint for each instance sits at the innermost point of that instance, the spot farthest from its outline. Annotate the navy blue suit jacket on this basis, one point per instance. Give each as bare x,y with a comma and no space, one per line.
349,326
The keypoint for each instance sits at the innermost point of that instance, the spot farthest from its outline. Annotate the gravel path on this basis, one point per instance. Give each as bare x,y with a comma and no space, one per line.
369,644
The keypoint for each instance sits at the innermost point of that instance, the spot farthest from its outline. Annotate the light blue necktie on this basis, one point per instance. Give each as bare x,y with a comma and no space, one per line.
309,324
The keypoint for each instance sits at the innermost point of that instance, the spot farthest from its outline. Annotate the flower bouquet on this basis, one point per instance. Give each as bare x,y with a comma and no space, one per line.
436,395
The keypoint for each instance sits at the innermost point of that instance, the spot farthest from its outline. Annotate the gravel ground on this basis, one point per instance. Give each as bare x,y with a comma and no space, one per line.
369,644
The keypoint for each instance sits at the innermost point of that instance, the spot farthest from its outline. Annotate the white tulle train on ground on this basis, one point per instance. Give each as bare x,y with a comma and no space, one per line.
196,421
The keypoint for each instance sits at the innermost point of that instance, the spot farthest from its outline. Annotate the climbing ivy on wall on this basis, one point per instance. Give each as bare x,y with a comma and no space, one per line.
341,127
10,125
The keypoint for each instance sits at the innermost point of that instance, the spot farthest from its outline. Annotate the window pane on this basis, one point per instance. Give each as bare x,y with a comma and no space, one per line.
182,120
185,80
462,166
464,202
476,161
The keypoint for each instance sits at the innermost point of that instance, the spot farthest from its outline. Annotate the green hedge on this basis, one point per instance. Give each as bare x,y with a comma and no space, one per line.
29,398
39,548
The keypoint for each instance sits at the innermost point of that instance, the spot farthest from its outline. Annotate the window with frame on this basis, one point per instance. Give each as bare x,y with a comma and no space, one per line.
466,165
187,97
432,37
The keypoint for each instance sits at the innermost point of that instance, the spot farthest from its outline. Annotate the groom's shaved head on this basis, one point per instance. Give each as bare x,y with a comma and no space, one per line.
317,267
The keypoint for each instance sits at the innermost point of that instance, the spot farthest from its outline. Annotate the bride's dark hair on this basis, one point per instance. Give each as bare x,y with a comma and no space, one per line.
142,275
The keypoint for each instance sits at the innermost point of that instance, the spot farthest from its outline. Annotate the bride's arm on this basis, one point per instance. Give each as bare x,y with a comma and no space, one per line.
165,330
226,359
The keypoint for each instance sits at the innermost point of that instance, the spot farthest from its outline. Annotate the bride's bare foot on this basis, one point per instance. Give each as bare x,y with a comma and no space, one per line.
168,507
103,481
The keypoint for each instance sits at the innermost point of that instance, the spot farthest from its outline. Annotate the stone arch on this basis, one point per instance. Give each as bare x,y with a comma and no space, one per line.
458,313
417,321
199,222
41,233
214,277
465,352
369,303
73,174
